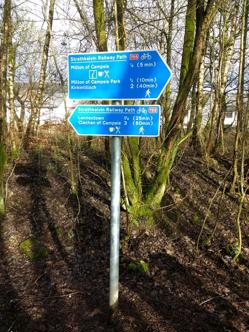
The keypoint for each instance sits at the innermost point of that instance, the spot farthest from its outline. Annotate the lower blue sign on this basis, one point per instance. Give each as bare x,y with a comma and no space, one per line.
116,120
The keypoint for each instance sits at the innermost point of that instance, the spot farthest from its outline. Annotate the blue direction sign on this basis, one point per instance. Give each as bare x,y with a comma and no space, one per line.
115,120
117,75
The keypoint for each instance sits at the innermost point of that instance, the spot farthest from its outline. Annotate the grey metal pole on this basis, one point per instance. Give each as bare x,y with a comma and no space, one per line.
115,223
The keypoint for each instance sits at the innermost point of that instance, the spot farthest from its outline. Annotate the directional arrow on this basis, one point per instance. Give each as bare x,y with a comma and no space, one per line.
116,120
117,75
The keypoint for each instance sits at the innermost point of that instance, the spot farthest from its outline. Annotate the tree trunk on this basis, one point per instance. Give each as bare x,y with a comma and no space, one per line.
189,37
196,135
192,109
173,139
131,154
4,51
12,127
42,78
240,96
166,99
99,19
120,26
226,51
85,21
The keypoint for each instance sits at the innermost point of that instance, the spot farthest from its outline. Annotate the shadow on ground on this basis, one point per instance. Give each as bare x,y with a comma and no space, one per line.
68,291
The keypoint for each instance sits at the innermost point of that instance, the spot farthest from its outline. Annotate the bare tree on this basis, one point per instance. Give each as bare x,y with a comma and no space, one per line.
4,56
37,98
240,94
227,33
145,203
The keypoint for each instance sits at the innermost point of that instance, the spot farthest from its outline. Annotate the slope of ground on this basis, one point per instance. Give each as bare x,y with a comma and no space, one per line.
68,290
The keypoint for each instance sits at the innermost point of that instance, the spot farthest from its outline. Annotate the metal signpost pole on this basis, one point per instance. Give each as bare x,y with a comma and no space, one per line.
115,223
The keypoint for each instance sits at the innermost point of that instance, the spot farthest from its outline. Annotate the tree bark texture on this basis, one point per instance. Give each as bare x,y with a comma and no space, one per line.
99,19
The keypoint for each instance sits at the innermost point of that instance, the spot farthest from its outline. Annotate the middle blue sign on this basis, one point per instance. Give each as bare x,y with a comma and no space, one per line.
116,120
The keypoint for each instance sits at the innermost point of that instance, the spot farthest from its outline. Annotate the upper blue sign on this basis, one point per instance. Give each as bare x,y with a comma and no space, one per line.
116,120
117,75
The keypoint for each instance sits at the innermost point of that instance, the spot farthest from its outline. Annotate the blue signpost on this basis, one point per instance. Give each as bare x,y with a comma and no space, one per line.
139,75
116,120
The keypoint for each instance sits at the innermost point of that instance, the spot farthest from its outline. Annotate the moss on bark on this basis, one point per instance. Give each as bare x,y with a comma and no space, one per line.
33,249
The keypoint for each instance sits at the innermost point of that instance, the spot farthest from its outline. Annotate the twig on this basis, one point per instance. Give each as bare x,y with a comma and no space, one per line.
7,181
238,224
38,278
172,205
99,177
218,215
209,208
209,300
10,328
65,295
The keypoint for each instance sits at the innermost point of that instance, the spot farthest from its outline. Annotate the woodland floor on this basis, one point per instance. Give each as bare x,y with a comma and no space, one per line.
68,291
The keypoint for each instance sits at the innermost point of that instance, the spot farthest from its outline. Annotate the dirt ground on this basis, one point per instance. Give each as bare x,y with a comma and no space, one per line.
183,290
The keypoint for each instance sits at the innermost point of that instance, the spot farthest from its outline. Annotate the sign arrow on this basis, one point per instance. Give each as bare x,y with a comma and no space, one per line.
116,120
